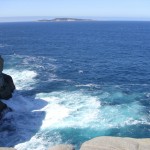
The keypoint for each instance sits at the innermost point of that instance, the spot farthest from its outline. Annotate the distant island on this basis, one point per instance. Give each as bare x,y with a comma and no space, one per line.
64,20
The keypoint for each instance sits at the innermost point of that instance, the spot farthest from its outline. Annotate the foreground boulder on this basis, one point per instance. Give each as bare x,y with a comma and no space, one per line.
116,143
62,147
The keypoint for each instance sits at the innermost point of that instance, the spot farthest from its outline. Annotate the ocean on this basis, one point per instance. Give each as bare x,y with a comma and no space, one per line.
75,81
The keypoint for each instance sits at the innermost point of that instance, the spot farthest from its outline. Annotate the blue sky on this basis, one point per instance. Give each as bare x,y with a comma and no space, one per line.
76,8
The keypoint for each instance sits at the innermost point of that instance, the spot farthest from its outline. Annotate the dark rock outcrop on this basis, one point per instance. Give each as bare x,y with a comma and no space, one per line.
6,86
2,106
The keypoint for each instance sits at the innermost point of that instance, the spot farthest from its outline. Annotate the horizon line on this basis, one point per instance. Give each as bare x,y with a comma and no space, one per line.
95,18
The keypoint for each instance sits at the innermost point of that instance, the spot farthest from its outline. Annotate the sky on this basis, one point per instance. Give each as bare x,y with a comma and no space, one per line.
133,9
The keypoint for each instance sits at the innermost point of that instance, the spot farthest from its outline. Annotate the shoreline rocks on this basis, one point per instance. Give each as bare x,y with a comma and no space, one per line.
116,143
109,143
6,87
105,143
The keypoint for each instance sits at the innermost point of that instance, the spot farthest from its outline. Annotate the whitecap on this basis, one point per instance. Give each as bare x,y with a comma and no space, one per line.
113,116
70,109
88,85
80,71
55,78
148,95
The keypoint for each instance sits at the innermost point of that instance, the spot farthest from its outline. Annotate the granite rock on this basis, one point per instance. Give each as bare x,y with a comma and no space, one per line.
116,143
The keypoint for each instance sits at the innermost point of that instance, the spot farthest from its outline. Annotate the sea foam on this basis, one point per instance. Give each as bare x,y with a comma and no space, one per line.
69,109
23,79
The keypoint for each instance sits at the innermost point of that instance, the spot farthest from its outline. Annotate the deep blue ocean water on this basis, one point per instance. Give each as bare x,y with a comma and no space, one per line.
75,81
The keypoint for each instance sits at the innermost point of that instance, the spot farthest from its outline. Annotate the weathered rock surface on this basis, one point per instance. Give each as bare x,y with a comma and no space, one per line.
62,147
116,143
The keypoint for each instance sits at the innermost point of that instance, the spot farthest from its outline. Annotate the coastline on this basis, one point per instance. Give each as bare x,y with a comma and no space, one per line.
105,143
120,110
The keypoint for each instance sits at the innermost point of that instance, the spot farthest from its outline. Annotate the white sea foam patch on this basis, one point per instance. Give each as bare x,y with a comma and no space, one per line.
69,109
38,142
55,78
88,85
122,115
31,118
33,121
23,79
41,64
82,110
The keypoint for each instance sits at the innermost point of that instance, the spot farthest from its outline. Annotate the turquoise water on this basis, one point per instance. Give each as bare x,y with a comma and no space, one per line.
75,81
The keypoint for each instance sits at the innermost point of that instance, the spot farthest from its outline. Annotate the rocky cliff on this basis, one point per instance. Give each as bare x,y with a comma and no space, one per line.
6,86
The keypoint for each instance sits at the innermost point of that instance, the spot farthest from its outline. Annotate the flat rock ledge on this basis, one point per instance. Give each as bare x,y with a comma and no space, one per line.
116,143
62,147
